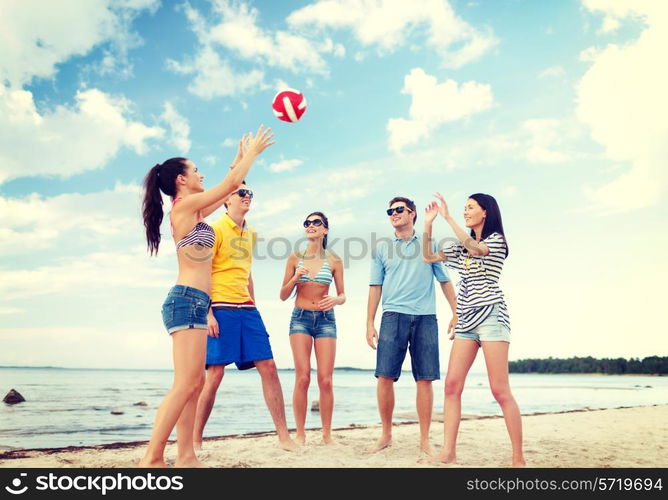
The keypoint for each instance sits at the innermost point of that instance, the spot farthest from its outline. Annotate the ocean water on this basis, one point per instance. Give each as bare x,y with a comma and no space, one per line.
72,407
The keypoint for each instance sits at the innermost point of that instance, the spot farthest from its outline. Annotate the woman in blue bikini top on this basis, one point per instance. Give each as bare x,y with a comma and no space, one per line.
313,325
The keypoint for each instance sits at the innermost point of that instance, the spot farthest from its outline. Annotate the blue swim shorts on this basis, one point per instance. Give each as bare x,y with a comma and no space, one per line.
242,338
417,333
317,324
185,308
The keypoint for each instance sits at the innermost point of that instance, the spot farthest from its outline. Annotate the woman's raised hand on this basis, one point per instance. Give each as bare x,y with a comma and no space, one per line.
443,207
241,147
257,143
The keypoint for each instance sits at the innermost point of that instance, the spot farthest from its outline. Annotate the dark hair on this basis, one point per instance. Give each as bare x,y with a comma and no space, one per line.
409,203
493,222
162,177
325,223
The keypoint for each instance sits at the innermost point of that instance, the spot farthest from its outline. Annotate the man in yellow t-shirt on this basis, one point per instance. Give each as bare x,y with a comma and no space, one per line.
236,331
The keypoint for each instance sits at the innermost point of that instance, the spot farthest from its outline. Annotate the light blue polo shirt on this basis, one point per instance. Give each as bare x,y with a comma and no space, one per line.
408,281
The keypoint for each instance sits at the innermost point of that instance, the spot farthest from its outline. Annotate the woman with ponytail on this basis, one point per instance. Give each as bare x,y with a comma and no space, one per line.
313,323
185,309
483,321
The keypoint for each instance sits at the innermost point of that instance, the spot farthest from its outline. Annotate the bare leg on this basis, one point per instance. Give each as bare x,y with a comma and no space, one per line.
496,359
462,355
301,352
424,402
184,431
385,395
273,396
189,352
325,352
214,376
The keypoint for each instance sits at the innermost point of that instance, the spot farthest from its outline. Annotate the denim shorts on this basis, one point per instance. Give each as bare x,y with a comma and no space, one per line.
242,338
416,332
185,308
317,324
489,330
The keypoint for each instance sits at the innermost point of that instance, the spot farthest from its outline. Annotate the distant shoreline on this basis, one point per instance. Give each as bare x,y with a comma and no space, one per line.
337,368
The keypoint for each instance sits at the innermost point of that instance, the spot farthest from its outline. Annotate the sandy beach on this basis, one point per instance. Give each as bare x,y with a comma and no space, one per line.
622,437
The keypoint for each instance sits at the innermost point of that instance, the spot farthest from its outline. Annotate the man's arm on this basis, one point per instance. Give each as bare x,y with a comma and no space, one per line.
375,291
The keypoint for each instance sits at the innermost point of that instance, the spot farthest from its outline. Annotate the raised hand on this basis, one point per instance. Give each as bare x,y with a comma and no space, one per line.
260,141
431,212
443,207
240,150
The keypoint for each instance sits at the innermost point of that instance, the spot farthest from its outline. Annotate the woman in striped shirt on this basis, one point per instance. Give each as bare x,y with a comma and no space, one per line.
483,318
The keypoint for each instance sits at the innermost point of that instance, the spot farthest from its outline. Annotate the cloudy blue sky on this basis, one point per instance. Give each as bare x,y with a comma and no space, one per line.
558,109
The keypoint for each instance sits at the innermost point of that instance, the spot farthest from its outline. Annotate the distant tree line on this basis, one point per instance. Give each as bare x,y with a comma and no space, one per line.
652,365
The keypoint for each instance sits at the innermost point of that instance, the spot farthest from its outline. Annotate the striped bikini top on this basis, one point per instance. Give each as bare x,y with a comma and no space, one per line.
324,275
201,234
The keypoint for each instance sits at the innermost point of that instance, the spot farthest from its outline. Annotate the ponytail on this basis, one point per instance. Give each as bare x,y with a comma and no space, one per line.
162,177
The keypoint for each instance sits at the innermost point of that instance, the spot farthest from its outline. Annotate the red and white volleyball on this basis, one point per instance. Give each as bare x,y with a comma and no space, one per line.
289,105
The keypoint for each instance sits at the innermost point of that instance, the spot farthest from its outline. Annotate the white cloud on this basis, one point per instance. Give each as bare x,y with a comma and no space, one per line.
233,29
238,31
178,126
386,23
552,71
96,218
11,310
72,273
215,77
229,142
433,104
66,140
280,85
545,139
623,99
284,165
36,36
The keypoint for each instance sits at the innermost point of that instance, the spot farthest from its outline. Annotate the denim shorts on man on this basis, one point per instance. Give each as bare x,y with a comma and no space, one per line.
185,308
317,324
491,329
416,332
242,338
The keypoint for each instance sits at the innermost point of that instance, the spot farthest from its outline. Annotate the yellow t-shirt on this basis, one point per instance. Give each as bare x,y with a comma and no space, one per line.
232,256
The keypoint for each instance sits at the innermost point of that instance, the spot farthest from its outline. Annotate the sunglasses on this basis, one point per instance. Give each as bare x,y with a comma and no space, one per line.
315,222
243,192
399,210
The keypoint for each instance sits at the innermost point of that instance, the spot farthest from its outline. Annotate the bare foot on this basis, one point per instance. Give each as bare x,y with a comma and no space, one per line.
427,449
519,462
301,439
197,445
329,441
145,463
190,463
383,442
289,445
441,458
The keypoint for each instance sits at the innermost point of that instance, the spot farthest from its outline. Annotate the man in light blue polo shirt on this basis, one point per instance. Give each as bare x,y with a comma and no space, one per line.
406,284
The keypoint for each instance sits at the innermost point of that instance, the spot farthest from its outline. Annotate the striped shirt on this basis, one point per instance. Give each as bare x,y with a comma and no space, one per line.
479,285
